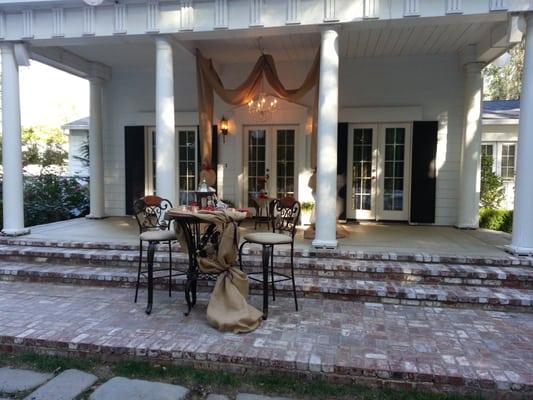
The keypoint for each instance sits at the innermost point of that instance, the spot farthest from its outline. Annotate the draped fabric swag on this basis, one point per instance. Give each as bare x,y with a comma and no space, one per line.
209,82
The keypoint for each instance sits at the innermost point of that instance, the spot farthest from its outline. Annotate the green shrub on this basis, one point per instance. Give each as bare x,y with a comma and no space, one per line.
498,220
492,190
49,198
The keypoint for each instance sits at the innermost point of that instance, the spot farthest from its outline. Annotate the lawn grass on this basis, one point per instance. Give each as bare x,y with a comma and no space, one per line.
208,381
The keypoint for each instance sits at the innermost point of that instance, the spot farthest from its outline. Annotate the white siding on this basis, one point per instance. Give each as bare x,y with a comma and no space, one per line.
434,84
75,140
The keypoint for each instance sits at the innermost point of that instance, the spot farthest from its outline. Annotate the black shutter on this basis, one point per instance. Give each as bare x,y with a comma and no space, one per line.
134,165
424,176
342,163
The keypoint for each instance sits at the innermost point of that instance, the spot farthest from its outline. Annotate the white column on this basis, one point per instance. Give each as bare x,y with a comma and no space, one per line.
522,239
328,110
470,174
96,150
13,199
164,121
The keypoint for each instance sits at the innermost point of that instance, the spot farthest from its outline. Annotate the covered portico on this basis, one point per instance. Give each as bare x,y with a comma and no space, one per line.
379,70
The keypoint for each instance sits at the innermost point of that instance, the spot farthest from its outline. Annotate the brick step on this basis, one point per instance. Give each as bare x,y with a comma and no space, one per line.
406,293
339,268
301,252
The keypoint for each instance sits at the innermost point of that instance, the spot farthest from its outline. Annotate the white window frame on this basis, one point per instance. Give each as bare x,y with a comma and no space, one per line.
498,157
149,171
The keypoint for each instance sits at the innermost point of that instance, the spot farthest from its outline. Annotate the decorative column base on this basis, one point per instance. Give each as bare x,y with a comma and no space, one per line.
90,216
16,232
325,244
519,251
466,227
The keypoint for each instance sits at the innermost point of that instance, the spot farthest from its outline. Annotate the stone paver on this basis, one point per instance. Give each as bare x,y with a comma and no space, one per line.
247,396
66,386
18,380
134,389
435,346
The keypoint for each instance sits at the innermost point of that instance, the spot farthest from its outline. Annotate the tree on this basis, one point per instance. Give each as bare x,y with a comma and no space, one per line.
492,190
84,153
43,146
504,83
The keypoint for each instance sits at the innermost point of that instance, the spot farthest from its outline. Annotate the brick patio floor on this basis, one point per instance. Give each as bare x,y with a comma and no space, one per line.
366,342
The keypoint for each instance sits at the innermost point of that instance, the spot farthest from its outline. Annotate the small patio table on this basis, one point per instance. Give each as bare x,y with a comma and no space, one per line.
190,224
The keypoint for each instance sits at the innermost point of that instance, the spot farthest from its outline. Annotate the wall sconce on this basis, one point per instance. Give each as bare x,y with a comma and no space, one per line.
224,128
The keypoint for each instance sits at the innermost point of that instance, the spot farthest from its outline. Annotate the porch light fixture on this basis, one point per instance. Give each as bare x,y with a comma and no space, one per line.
263,106
224,128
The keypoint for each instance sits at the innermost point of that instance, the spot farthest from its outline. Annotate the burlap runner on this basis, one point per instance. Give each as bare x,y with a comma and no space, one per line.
228,309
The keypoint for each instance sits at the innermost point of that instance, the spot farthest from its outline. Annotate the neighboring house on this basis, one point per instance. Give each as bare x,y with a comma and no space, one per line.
399,100
78,135
499,140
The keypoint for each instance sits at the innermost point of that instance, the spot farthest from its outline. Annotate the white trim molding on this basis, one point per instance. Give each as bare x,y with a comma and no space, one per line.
2,25
330,11
411,8
498,5
186,15
27,24
120,25
88,21
371,9
256,9
58,22
152,16
293,12
454,6
221,14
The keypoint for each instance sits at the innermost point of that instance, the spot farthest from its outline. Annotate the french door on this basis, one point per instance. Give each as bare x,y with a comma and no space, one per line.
269,161
186,162
379,172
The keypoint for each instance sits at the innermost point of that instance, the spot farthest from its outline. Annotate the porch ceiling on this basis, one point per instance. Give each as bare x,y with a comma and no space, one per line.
362,39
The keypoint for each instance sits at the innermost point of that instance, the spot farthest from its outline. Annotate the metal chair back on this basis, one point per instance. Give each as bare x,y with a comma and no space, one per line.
150,212
284,215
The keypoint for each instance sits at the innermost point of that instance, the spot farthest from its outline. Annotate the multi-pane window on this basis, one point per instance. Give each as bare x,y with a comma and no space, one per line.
285,163
257,171
187,165
508,161
487,150
503,158
393,179
362,169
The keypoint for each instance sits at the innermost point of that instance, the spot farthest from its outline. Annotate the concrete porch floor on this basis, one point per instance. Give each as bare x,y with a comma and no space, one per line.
368,237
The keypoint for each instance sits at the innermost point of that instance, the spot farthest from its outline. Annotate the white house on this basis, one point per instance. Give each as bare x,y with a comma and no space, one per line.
78,135
499,140
398,100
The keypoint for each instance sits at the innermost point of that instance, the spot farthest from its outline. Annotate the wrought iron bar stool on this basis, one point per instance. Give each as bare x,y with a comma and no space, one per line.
283,215
153,228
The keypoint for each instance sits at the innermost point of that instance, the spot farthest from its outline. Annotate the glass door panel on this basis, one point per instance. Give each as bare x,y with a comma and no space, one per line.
187,167
284,163
257,161
393,172
361,172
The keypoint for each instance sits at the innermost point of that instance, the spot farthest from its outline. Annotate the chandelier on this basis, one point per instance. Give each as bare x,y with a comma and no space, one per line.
262,106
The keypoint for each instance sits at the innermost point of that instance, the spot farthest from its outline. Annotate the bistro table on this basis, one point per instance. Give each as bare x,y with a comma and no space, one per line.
196,233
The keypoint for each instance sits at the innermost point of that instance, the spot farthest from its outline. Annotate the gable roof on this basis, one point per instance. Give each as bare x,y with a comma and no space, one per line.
501,109
82,123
